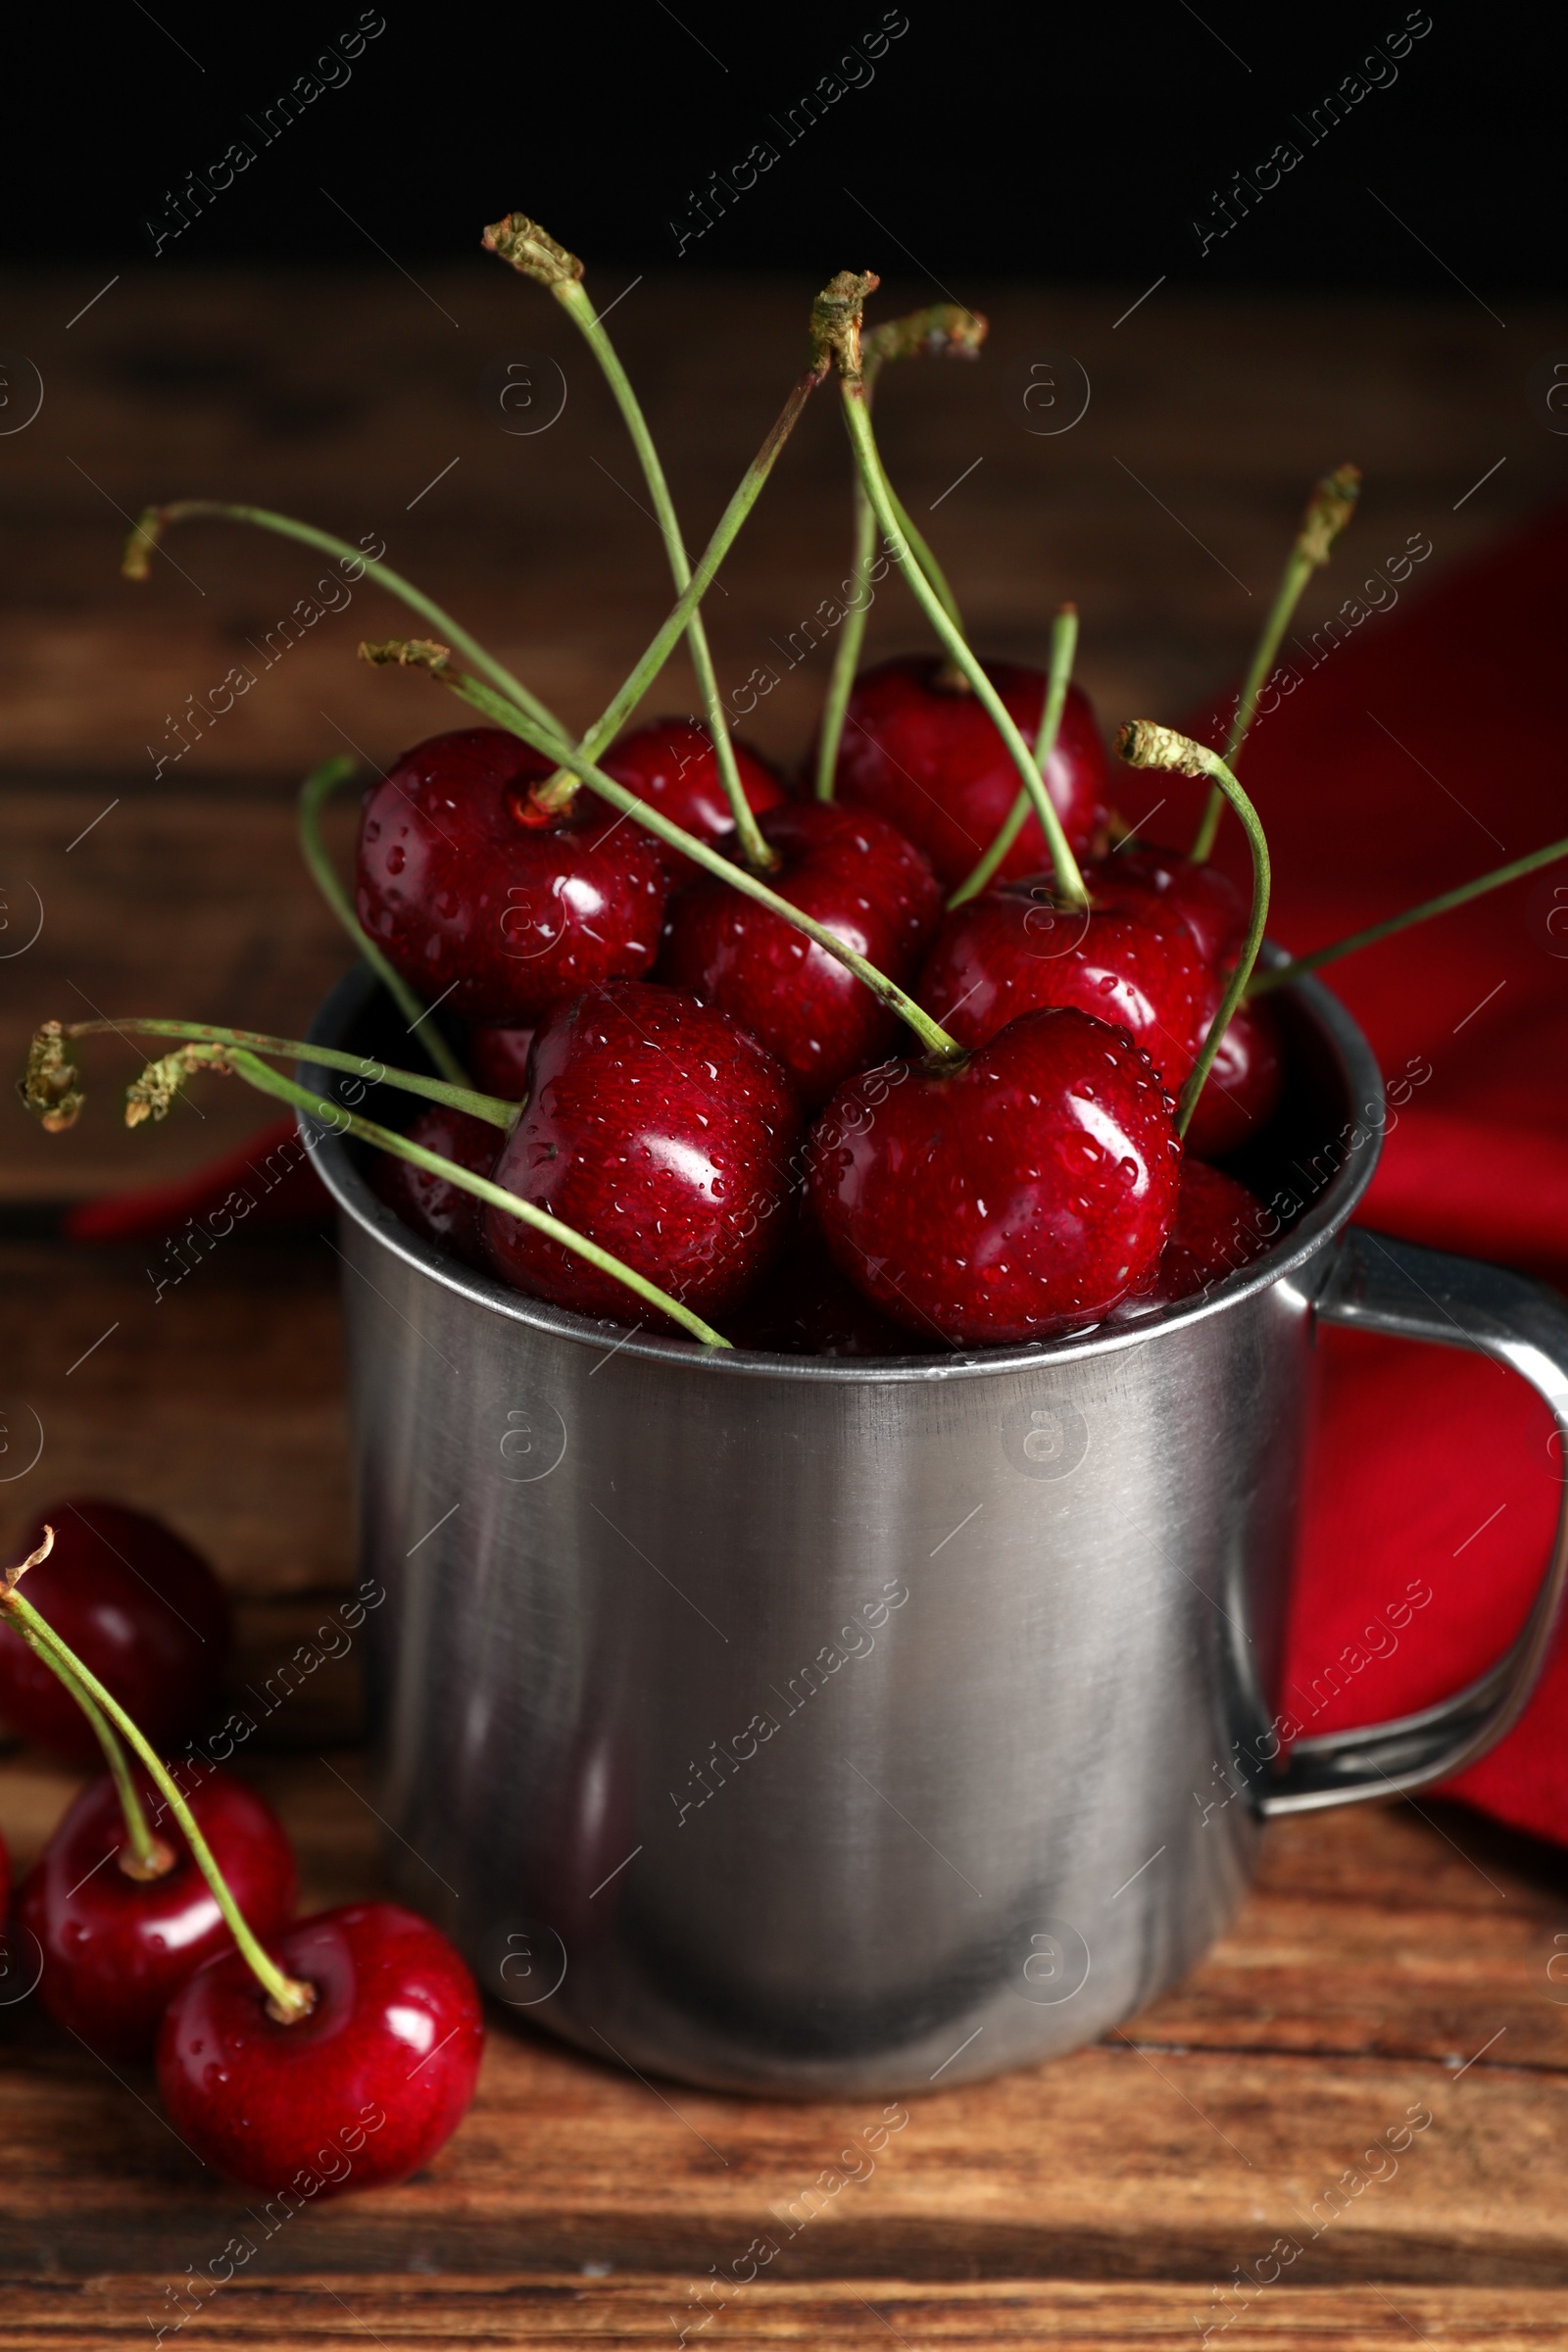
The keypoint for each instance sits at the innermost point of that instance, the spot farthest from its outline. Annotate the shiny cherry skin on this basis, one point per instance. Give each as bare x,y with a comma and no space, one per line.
661,1130
1013,949
362,2092
1220,1227
927,757
855,873
139,1608
435,1207
1206,901
1242,1089
488,907
1013,1195
497,1062
672,765
117,1950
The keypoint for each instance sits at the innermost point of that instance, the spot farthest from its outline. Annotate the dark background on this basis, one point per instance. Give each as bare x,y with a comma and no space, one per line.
1056,144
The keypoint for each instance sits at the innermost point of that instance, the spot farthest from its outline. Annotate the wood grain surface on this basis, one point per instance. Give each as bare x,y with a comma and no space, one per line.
1391,1959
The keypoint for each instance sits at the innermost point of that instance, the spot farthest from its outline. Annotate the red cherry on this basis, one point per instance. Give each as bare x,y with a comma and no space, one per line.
488,907
1018,1193
928,758
434,1206
1219,1227
671,765
142,1611
497,1062
803,1306
661,1129
1015,948
1242,1089
362,2092
116,1948
1206,901
853,873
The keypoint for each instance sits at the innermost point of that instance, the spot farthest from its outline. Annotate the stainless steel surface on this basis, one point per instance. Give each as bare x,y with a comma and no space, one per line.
800,1726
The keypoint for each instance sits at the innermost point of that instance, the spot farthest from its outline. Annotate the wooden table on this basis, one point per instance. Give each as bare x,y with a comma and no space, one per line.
1391,1959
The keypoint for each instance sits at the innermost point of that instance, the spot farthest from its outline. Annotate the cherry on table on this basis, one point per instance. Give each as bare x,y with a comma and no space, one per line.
139,1608
926,755
361,2091
486,904
117,1946
1016,1194
658,1128
671,765
852,872
1015,948
433,1206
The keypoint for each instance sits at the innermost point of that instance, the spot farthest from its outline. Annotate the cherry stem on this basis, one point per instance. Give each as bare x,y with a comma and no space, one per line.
933,1038
1064,646
943,330
1281,975
289,2000
340,1121
149,1857
148,532
1328,510
561,789
1144,744
317,789
1069,881
535,254
50,1085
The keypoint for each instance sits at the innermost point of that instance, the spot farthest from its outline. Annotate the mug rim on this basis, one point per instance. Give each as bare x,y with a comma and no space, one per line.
1333,1209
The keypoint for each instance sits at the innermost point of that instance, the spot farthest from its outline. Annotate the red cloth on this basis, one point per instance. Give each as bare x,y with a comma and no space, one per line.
1422,750
272,1169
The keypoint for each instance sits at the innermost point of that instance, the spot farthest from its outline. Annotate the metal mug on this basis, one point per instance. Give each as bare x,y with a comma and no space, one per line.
800,1725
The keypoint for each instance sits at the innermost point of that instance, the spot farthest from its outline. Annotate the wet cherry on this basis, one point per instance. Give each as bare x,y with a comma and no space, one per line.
1220,1227
1242,1089
1016,1194
488,905
661,1129
927,757
363,2090
1014,948
433,1206
852,872
803,1306
497,1062
140,1609
1206,901
116,1947
671,765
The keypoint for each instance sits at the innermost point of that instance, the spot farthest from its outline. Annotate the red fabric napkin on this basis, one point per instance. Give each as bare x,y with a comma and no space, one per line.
1423,748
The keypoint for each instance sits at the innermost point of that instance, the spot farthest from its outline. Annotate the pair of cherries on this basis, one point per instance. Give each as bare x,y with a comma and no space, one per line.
137,1961
1027,1189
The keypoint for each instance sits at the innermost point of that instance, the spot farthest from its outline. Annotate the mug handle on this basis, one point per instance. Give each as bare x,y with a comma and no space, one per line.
1378,1283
